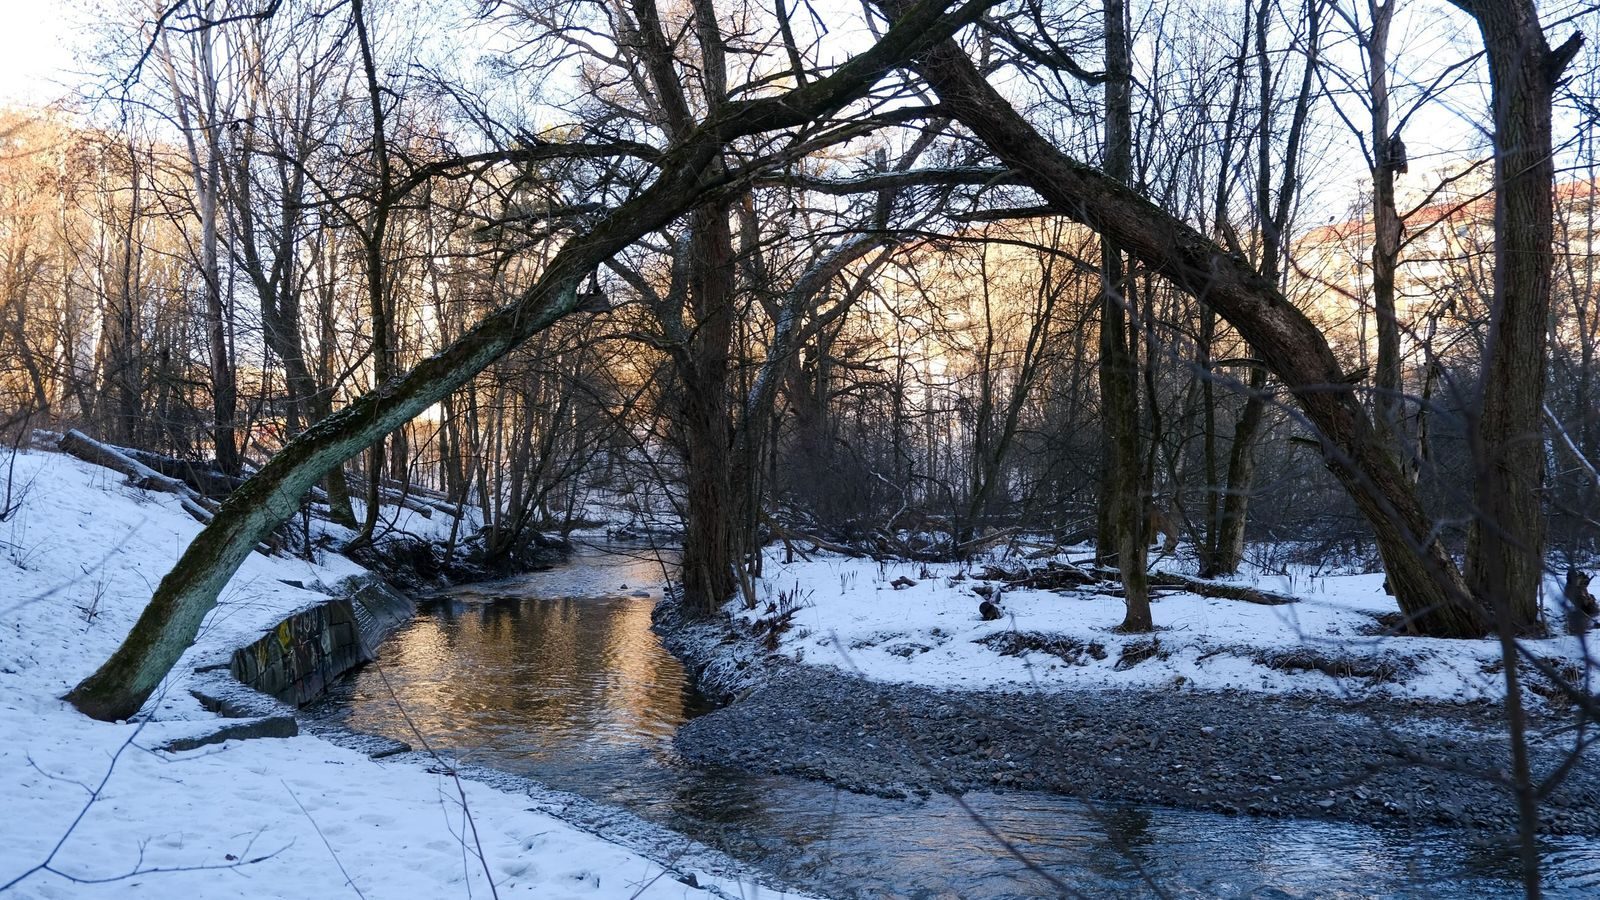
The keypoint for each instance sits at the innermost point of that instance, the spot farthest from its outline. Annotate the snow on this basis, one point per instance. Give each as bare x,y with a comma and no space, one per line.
80,553
849,616
298,817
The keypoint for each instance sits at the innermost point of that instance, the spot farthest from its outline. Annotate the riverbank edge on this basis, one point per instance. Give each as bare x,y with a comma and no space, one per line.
277,678
1378,764
682,858
293,662
720,653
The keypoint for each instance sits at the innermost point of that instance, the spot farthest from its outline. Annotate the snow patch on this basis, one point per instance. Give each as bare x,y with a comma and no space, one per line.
853,615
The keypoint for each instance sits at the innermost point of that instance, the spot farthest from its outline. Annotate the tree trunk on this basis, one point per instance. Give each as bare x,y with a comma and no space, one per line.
224,393
1119,382
1386,237
1506,544
198,120
1216,491
1119,370
1228,550
122,375
1208,403
1274,224
993,448
709,548
372,239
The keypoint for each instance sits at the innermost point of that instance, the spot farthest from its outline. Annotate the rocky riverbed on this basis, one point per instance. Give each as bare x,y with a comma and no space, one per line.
1369,762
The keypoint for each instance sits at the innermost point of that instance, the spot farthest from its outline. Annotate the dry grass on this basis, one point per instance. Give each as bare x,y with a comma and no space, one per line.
1070,650
1385,669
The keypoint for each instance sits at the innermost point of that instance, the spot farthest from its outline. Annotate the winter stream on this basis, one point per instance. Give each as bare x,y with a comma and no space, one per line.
557,676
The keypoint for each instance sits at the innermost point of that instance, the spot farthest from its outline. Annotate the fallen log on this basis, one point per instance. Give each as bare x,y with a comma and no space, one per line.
453,510
214,484
1222,591
199,508
420,505
406,501
1066,577
984,542
439,500
139,475
1052,577
205,480
817,543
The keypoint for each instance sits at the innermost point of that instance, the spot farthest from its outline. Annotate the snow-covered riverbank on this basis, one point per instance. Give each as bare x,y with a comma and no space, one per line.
851,614
112,816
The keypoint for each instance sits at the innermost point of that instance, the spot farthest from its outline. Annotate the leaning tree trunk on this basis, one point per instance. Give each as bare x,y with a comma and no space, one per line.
168,625
1425,579
170,622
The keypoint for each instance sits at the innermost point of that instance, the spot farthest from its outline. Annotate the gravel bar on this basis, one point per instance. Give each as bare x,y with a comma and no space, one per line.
1381,763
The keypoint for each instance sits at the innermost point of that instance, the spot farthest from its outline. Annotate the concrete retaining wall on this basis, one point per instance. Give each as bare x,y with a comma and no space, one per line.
297,660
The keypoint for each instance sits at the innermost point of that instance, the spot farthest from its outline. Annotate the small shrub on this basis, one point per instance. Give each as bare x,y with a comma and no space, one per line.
780,615
1135,652
907,649
1550,690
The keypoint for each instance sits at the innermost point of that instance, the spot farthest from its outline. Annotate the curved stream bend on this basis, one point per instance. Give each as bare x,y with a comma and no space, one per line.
557,676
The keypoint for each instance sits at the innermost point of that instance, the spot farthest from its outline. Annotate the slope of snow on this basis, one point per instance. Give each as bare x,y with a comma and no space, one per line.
849,615
79,557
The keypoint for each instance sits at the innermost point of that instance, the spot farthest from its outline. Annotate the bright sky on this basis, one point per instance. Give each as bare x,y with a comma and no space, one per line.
37,40
40,41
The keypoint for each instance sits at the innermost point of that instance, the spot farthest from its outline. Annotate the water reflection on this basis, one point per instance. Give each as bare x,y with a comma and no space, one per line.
533,680
556,675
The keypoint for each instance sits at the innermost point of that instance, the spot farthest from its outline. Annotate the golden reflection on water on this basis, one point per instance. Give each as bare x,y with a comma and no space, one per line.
493,667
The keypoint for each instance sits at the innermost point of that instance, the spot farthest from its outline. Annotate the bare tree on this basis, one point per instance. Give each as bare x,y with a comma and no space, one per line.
688,176
1122,537
1426,581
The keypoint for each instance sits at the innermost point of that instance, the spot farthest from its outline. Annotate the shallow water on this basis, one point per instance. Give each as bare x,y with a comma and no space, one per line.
557,675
